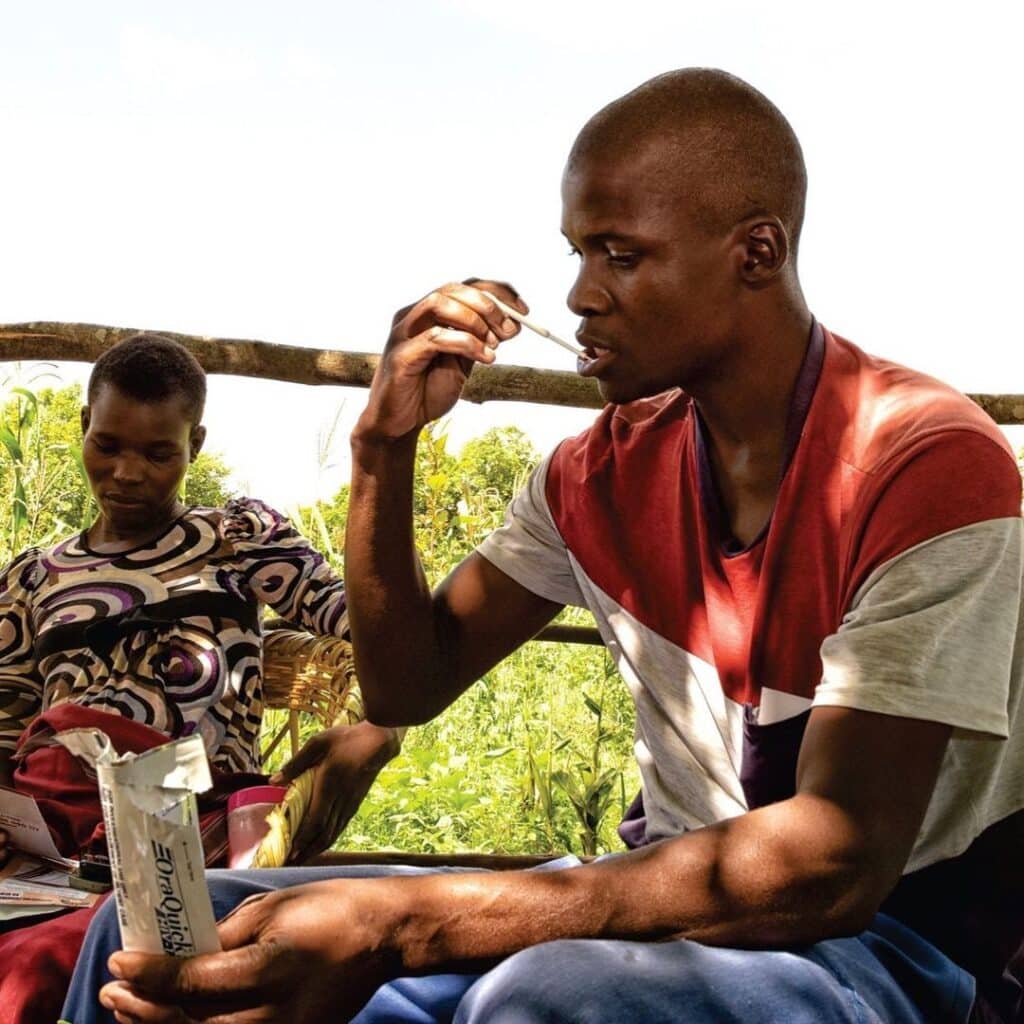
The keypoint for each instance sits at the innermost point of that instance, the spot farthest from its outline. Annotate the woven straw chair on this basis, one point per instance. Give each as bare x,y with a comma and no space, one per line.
311,675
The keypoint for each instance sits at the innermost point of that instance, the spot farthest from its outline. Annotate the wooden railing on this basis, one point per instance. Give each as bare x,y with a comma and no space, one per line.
69,342
83,343
73,342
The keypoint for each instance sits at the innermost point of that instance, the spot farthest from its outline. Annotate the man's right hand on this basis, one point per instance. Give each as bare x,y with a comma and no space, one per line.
429,355
5,848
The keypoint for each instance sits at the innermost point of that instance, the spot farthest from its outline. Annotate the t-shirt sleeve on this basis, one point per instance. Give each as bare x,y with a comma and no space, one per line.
282,568
529,548
932,631
21,685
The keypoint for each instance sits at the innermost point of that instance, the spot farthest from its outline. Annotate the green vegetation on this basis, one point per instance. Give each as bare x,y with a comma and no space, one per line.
43,493
535,757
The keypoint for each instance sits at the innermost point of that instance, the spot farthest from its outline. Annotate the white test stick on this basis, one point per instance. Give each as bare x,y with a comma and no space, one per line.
535,327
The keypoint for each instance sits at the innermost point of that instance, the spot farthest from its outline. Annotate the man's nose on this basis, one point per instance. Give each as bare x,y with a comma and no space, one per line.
586,296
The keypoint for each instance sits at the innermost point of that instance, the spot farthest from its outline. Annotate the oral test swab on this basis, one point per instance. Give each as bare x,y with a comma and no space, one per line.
535,327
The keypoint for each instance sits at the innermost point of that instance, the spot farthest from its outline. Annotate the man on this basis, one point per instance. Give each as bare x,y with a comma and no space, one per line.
807,564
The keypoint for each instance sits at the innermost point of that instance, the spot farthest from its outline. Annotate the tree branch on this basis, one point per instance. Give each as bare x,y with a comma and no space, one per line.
243,358
72,342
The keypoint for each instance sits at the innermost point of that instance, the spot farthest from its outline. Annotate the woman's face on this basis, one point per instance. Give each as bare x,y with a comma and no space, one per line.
136,455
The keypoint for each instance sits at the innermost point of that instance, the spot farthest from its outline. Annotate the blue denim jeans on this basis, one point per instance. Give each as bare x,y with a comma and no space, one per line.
886,975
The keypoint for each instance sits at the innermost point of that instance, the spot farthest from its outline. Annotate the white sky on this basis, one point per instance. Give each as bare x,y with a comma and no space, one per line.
294,172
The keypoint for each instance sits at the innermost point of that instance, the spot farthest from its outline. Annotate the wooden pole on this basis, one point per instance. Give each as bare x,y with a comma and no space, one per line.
83,343
242,357
71,342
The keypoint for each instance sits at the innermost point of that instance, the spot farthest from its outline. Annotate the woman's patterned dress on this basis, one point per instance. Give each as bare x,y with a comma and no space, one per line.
167,633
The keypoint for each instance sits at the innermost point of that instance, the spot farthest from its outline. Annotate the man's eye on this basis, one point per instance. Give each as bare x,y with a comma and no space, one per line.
160,456
105,447
622,259
573,251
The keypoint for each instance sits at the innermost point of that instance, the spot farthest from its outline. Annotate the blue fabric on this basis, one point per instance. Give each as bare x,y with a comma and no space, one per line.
886,975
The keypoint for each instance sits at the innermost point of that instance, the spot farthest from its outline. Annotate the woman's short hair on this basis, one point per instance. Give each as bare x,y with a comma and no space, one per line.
151,368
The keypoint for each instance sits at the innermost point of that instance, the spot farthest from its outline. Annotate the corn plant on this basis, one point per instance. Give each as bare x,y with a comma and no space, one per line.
43,487
591,788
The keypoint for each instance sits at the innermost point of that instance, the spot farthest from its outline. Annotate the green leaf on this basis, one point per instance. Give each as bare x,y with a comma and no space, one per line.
10,442
27,416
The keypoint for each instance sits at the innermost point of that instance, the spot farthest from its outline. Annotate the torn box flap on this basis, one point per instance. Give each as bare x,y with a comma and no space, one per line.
180,765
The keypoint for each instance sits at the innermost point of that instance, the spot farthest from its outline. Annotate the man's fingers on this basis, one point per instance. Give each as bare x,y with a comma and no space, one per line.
312,752
332,806
437,340
321,823
200,978
433,346
480,297
242,925
462,308
311,823
128,1007
131,1007
502,289
401,314
341,813
462,343
338,815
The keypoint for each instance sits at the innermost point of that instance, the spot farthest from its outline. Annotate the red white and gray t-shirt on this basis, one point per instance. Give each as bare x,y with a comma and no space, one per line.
888,579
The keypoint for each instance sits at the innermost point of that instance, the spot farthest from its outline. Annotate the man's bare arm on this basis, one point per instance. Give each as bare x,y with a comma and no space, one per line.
416,650
812,867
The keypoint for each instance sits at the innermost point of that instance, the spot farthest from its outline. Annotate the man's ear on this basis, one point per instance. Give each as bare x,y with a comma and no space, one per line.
195,442
765,249
83,418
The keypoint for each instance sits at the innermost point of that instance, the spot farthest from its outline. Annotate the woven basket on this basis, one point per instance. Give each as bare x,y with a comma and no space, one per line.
312,675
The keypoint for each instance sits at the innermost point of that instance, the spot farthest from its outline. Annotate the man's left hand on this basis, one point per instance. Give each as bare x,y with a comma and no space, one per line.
347,759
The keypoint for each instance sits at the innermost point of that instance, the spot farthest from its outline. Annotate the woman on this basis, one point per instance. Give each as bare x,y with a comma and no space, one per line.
148,625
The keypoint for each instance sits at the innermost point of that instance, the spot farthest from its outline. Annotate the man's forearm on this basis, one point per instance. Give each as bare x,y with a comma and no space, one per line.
391,612
774,878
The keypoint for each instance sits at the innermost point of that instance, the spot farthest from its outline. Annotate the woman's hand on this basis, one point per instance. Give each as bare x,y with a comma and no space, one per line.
347,759
5,848
429,355
307,954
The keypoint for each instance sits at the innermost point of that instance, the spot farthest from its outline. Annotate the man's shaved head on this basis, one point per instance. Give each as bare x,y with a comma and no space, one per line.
732,153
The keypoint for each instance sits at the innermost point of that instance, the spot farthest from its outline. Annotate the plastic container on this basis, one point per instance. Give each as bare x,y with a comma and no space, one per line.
247,821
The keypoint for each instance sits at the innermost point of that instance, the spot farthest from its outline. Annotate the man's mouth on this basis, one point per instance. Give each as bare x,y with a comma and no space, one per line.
124,500
595,359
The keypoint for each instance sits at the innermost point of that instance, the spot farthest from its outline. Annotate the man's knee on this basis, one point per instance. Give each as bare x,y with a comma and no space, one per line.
608,982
